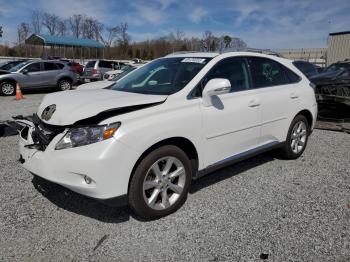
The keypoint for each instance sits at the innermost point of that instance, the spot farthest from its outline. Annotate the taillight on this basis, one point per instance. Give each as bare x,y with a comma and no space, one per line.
94,71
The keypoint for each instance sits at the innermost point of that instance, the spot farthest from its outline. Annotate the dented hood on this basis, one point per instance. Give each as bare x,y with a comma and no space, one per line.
73,106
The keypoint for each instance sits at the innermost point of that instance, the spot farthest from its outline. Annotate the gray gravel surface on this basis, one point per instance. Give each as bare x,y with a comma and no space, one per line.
10,107
288,210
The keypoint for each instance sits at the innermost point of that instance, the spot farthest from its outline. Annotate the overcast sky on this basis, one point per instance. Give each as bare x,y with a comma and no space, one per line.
261,24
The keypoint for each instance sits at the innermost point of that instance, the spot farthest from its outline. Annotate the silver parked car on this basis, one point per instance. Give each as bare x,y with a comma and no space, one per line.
95,69
37,74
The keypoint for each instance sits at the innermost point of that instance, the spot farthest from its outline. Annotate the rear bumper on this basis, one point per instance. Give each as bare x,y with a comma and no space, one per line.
108,164
92,77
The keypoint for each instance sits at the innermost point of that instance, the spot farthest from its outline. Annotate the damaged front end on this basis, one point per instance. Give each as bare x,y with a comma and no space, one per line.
38,133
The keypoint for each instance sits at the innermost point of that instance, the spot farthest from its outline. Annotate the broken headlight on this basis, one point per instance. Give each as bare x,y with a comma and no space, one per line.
81,136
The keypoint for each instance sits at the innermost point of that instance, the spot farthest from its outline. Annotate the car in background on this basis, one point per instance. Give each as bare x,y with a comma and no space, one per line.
95,69
335,73
307,68
9,64
35,74
113,73
75,66
108,82
332,86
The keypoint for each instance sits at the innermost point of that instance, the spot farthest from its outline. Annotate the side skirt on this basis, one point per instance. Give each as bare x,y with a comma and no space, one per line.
237,158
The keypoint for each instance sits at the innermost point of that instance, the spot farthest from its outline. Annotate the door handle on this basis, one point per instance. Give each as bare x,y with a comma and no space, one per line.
293,96
253,103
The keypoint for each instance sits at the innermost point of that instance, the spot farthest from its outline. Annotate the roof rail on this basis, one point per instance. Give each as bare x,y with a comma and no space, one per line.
255,50
183,52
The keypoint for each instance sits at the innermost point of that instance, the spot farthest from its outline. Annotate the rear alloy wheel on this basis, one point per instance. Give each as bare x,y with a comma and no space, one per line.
7,88
160,183
297,138
64,85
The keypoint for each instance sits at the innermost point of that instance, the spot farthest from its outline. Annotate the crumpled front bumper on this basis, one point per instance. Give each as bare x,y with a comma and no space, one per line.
108,164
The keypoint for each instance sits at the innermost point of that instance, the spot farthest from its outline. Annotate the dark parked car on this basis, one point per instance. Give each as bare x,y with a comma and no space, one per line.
307,68
333,85
37,74
8,65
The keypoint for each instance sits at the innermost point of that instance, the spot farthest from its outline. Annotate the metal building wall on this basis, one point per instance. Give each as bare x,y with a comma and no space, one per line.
339,47
312,55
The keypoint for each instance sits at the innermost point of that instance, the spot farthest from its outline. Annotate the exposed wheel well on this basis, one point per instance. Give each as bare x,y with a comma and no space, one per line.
8,80
181,142
307,114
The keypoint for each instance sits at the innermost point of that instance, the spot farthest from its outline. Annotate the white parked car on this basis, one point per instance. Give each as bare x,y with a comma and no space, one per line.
109,82
173,120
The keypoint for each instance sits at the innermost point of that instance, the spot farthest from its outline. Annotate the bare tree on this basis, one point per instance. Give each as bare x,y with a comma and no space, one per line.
112,34
92,28
62,28
50,21
22,32
1,31
36,21
76,24
123,39
209,41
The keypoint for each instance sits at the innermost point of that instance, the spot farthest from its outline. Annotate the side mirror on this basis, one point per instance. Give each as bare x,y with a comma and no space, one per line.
25,71
216,86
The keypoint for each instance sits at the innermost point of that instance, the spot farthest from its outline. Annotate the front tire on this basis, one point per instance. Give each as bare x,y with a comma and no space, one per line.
297,138
160,183
7,88
64,84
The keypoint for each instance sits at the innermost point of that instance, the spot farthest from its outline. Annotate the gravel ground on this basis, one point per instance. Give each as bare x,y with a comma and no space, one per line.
260,208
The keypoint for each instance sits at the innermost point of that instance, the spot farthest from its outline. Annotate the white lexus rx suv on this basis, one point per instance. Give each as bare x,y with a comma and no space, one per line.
142,140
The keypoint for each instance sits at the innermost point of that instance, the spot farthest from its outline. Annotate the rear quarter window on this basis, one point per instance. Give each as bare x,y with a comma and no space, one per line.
105,64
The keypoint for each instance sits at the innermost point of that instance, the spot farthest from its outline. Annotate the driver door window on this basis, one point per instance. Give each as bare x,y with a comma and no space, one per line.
33,77
35,67
233,69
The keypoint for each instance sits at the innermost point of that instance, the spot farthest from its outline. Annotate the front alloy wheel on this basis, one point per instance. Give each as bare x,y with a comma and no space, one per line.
160,182
164,183
8,88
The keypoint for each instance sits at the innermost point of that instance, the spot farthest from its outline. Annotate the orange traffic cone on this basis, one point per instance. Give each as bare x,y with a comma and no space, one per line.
19,94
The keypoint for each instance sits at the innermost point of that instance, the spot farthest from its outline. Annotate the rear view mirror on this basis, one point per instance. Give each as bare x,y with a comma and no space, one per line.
216,86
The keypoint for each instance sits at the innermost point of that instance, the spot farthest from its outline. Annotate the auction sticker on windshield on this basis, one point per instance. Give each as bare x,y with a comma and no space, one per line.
193,60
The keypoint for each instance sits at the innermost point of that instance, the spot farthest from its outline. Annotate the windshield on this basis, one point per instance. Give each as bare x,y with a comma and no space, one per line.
18,67
124,73
163,76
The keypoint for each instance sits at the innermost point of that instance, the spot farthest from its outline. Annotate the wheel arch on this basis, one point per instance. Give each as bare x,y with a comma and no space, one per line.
64,78
8,80
181,142
308,115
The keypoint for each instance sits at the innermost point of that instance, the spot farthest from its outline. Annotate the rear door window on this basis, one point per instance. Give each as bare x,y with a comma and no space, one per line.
266,72
48,66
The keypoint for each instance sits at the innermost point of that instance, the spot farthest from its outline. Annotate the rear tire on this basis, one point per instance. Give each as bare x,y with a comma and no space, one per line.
297,138
160,183
7,88
64,84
